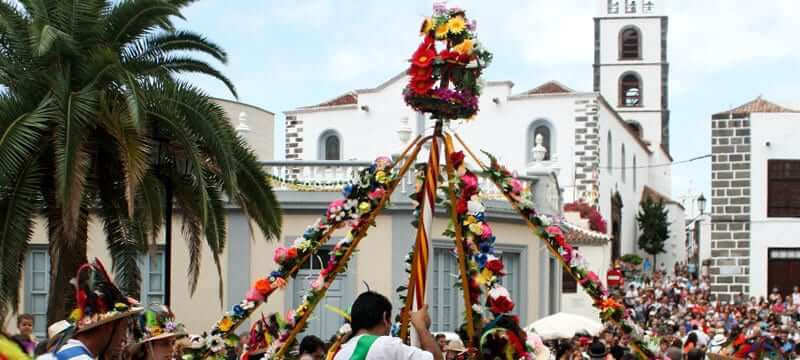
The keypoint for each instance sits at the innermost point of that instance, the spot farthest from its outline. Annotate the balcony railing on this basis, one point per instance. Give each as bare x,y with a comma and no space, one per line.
330,176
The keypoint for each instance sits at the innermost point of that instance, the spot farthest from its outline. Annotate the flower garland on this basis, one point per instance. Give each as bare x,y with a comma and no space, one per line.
307,185
460,62
549,230
484,266
360,197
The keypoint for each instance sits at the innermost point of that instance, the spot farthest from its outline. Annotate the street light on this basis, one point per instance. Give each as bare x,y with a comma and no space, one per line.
701,203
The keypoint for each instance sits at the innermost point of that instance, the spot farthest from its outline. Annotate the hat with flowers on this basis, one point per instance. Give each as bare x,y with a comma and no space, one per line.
158,322
98,299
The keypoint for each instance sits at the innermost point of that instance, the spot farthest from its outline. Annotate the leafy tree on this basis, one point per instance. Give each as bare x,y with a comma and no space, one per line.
652,218
89,95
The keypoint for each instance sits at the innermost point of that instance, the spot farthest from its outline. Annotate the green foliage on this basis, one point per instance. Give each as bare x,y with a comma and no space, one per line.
632,259
88,91
652,218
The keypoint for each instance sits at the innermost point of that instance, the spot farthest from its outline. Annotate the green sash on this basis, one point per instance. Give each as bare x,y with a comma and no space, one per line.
363,346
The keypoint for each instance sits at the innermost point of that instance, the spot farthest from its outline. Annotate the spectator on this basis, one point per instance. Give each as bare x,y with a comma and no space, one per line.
441,339
25,337
312,348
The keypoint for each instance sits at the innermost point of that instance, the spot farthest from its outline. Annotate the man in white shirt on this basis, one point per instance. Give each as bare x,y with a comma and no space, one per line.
371,320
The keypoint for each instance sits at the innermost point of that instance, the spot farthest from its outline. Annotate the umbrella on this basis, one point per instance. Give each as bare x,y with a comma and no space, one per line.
564,326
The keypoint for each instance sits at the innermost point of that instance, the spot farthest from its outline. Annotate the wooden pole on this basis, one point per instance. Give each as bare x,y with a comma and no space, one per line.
459,239
360,233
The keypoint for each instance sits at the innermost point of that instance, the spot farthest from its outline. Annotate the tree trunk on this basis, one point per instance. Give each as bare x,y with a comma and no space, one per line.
655,263
66,256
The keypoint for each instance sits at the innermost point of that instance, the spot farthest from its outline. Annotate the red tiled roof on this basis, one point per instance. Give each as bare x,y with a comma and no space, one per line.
348,98
550,87
759,105
576,235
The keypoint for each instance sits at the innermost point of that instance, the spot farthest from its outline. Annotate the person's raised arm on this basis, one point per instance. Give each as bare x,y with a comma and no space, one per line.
421,321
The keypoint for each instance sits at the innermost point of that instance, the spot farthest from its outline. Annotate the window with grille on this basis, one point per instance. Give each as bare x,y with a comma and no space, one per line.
630,90
630,44
37,287
153,277
783,188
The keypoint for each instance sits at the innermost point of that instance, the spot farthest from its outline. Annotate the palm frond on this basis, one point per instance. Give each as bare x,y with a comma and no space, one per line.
129,20
21,131
183,41
182,65
72,155
19,201
254,193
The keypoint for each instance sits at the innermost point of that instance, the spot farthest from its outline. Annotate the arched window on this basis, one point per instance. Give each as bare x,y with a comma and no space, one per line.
630,90
630,43
544,128
330,146
622,162
634,169
610,150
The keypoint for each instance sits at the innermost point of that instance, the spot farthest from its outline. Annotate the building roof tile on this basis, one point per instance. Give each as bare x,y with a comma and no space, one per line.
550,87
576,235
759,105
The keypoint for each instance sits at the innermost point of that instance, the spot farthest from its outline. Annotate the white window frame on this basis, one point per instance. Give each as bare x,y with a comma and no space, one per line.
30,293
322,146
144,262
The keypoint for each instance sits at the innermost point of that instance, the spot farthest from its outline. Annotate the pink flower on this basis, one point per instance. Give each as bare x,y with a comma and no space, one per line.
317,283
254,295
281,254
516,186
591,276
554,230
487,231
377,194
470,184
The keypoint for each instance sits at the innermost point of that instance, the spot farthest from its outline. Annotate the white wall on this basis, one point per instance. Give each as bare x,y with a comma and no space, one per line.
781,131
650,32
599,258
611,179
261,136
676,244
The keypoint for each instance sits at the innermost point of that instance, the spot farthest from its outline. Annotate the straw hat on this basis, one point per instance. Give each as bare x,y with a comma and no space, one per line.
455,346
99,301
158,323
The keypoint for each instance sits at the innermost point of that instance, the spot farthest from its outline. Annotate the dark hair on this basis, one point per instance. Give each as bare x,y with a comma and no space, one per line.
310,344
695,354
369,309
24,317
440,336
692,338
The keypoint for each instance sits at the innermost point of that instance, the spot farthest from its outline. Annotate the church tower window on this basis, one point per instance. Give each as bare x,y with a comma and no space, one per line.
630,44
613,6
630,6
630,90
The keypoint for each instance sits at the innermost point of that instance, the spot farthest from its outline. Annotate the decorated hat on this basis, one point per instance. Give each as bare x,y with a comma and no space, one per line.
266,335
99,300
158,322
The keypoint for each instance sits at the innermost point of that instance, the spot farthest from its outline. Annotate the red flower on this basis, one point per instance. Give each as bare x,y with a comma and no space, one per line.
420,73
448,55
421,87
470,185
501,305
423,56
495,266
291,253
461,206
457,158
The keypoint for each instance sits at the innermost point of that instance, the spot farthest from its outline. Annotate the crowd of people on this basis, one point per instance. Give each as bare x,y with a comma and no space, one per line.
681,321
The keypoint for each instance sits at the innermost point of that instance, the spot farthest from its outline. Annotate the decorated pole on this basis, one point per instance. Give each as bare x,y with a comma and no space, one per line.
459,241
358,233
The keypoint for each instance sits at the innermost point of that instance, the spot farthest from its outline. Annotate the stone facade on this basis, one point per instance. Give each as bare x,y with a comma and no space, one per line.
294,138
730,205
587,148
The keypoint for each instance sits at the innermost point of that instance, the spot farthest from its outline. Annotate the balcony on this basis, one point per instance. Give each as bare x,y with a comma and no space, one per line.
313,184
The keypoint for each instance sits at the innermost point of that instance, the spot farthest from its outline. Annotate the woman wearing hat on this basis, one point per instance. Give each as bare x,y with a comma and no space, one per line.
159,331
100,322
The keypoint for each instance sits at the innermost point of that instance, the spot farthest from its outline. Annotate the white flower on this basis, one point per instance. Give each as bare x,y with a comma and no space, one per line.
215,343
477,308
247,305
498,291
475,206
345,329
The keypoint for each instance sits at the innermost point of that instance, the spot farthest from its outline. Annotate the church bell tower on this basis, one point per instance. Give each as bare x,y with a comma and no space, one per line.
630,65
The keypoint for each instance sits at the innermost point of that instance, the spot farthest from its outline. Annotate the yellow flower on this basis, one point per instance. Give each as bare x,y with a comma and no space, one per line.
476,229
427,25
465,47
484,277
381,177
456,25
225,324
441,30
469,220
364,207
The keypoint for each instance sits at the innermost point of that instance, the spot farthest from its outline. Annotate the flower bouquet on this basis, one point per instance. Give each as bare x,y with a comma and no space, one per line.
446,83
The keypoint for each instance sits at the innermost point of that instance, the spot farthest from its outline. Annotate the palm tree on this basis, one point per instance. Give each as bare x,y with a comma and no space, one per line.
90,101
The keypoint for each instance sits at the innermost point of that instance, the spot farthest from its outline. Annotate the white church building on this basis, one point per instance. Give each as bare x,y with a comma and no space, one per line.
607,146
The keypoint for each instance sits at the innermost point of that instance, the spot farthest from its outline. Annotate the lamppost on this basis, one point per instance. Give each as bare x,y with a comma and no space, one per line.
694,224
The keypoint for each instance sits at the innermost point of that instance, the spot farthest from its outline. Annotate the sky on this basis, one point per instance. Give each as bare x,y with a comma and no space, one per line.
289,53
